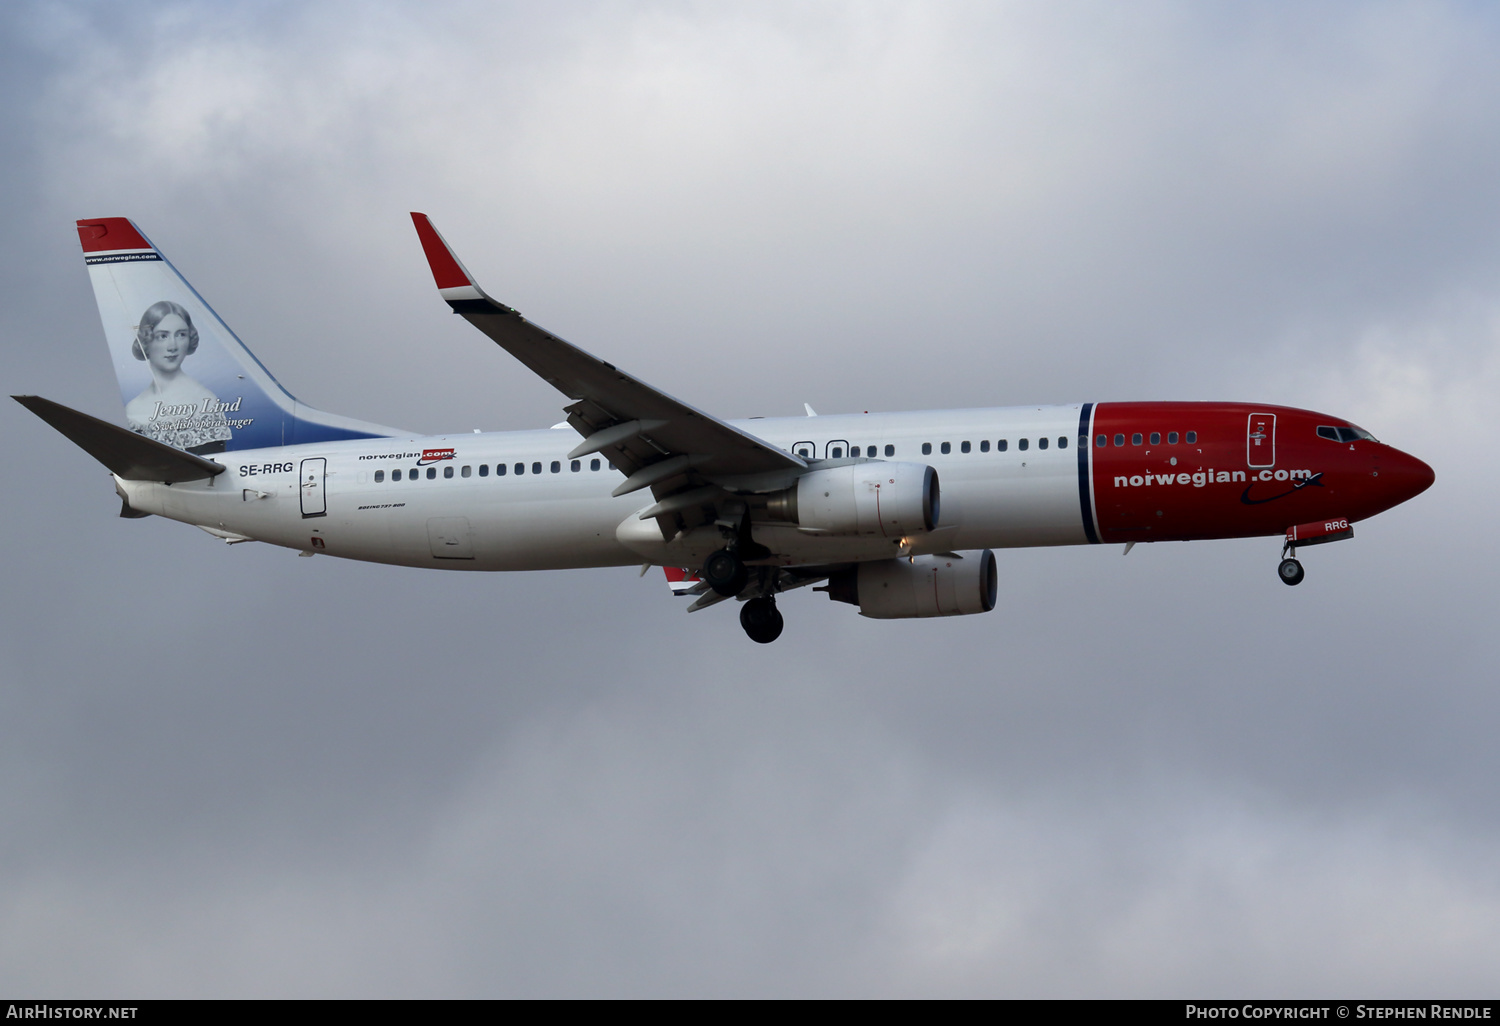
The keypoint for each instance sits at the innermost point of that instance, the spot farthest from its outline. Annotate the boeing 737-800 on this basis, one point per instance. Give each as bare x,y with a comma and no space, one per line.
730,509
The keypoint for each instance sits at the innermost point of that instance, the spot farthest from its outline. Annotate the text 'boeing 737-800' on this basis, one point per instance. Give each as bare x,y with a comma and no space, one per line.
896,513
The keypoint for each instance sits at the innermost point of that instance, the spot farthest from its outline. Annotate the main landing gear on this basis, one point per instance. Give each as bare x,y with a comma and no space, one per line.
761,619
726,573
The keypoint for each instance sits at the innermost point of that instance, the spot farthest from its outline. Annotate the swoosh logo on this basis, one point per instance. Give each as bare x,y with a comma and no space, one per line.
1297,486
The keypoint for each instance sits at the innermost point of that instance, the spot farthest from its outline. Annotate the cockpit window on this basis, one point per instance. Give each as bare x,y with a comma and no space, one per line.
1344,434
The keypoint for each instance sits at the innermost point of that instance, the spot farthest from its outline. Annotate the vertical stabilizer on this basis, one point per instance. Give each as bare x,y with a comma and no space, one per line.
185,378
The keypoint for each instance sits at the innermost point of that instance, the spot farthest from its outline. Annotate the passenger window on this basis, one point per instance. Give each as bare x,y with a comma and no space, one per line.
380,476
413,474
467,471
575,466
484,469
890,450
432,473
1119,440
1024,444
963,446
1102,441
926,448
1156,438
556,467
1135,439
536,468
448,472
500,469
836,452
984,446
1041,443
395,475
947,447
1192,438
1062,441
520,469
1171,437
1002,445
593,464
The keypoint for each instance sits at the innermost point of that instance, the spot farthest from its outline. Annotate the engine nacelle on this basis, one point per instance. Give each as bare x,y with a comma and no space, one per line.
888,500
898,589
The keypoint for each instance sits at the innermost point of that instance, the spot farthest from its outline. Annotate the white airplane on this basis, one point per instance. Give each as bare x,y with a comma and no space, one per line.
744,509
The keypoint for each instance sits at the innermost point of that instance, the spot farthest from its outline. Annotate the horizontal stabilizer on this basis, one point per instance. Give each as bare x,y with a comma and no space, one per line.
131,456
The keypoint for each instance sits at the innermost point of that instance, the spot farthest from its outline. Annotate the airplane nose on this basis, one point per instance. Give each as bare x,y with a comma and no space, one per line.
1404,476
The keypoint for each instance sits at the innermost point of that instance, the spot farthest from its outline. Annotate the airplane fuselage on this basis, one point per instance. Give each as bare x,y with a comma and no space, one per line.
1010,477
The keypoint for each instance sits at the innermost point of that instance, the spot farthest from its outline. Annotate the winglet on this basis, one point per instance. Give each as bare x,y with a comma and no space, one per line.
453,279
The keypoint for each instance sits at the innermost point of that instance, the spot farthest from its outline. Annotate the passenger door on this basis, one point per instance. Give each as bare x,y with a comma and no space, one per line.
314,495
1260,440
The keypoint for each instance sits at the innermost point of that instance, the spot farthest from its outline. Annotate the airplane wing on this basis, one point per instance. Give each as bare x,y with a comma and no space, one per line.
681,453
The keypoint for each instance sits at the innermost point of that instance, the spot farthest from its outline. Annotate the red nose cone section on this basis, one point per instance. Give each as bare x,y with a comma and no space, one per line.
1404,476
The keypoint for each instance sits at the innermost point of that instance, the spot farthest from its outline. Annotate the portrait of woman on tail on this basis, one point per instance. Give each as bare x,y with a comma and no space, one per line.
174,408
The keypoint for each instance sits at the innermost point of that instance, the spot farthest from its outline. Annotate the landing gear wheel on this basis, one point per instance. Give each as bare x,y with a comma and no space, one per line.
725,573
761,620
1291,571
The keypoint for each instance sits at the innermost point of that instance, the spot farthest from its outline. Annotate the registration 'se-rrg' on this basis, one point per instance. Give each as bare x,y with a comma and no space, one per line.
730,509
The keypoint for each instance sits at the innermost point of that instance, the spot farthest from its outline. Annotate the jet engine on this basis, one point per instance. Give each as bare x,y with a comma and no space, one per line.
896,589
889,500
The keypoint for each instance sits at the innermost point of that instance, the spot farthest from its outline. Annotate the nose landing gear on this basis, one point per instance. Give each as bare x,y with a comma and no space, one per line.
761,620
1291,571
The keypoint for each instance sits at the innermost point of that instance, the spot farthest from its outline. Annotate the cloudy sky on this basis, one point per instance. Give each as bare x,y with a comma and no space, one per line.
230,771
